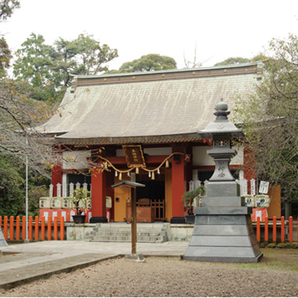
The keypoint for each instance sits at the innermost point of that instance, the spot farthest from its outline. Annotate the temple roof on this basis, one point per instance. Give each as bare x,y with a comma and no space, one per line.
154,107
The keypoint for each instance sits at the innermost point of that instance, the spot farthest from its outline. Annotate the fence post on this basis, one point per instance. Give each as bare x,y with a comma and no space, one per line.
266,229
62,228
282,229
23,227
0,222
43,228
11,228
55,228
30,227
17,228
258,229
49,229
274,229
5,227
36,226
291,229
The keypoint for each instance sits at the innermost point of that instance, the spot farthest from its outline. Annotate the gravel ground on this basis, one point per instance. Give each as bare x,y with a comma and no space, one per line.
170,277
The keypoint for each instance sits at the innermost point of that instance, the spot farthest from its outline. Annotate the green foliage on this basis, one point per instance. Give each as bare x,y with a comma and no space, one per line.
7,8
5,56
233,61
33,67
46,70
150,62
12,188
82,56
240,60
80,195
270,118
189,196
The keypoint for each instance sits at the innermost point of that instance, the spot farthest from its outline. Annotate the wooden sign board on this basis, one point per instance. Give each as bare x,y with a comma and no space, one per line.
134,156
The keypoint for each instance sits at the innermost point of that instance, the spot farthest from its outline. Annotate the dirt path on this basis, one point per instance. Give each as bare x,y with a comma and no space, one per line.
276,276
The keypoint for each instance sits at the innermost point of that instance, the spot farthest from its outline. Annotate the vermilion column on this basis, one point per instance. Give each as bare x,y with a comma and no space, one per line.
178,173
56,177
98,195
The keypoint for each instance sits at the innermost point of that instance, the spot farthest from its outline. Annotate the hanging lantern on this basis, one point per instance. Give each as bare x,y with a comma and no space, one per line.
167,164
153,176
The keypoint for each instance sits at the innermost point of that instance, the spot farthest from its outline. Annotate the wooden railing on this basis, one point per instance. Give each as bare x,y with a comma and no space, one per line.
158,205
15,228
276,230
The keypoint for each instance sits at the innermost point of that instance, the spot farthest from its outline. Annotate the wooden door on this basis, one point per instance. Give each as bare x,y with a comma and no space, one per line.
121,195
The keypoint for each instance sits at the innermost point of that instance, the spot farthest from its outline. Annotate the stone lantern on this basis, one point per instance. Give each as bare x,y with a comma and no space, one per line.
222,230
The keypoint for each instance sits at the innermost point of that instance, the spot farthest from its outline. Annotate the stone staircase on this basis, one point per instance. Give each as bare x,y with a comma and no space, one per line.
121,232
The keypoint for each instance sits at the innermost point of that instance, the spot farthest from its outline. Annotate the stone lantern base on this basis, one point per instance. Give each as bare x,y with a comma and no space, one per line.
223,237
2,240
223,231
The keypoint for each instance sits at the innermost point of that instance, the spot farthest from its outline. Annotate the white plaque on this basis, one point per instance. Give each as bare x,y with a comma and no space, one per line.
264,186
253,187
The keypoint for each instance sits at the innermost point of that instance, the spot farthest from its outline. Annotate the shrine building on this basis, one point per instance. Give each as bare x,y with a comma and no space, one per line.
114,127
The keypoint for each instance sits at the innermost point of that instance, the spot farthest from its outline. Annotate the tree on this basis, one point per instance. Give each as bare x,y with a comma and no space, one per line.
48,69
150,62
270,118
34,67
18,116
5,56
239,60
82,56
7,8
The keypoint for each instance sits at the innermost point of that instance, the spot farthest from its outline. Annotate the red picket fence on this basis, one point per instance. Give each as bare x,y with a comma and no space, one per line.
276,230
15,228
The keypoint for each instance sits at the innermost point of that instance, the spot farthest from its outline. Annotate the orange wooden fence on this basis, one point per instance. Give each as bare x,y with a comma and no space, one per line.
278,230
11,228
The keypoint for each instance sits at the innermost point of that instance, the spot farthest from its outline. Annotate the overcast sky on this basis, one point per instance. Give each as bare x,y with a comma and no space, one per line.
218,29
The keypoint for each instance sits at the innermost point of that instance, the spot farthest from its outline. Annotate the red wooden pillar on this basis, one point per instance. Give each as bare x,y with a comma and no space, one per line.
178,174
291,229
274,229
5,227
23,227
49,229
282,229
55,228
62,228
258,229
42,228
266,229
56,177
30,221
98,194
11,227
17,228
36,228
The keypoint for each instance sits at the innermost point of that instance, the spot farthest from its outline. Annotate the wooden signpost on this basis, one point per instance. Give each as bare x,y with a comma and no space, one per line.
133,185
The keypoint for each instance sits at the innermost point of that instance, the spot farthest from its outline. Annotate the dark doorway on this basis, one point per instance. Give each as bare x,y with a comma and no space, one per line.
81,178
155,192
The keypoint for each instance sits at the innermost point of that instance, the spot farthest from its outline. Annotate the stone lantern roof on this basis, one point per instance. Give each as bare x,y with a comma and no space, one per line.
221,125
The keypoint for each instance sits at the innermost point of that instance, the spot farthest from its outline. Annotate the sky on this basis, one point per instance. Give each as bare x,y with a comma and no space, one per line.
211,30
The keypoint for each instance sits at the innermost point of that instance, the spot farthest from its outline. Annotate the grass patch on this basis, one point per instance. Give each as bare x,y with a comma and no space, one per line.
274,259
